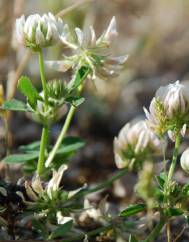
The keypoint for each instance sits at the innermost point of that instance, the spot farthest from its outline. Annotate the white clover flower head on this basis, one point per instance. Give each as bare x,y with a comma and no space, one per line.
135,142
90,51
184,160
168,109
37,31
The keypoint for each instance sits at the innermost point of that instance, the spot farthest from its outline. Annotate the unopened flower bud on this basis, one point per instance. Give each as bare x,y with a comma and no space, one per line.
184,160
54,111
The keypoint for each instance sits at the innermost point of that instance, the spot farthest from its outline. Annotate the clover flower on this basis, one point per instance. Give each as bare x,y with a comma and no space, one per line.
134,144
39,31
36,190
169,110
90,51
184,160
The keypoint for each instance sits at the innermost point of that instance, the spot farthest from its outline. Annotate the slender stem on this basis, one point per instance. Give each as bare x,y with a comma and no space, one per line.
61,136
72,7
107,182
44,142
168,232
66,124
163,153
156,231
174,159
180,234
45,131
89,234
42,74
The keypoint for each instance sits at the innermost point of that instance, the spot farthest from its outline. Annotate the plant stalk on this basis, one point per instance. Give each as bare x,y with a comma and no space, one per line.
156,231
43,146
61,135
107,182
64,128
174,159
45,130
42,74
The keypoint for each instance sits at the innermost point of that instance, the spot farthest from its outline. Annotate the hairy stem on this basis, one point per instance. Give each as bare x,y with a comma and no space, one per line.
156,231
45,130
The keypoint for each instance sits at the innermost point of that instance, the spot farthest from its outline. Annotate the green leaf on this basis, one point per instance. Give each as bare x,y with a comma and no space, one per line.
26,87
75,101
133,209
174,212
15,105
20,158
132,238
62,230
70,144
30,147
78,78
161,179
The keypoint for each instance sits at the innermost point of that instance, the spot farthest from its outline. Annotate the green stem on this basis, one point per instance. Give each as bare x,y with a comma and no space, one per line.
81,77
61,135
156,231
42,74
89,234
163,153
107,182
174,159
44,142
45,131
